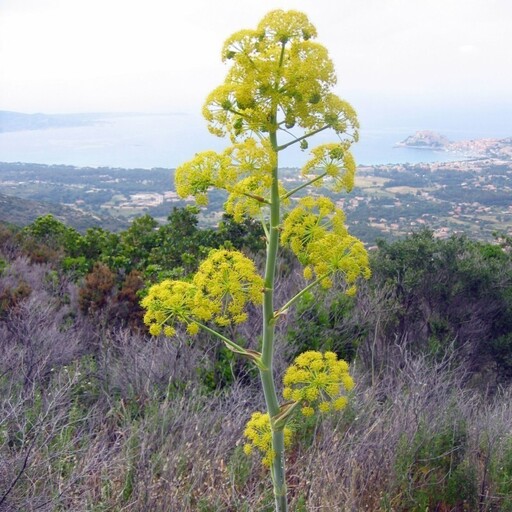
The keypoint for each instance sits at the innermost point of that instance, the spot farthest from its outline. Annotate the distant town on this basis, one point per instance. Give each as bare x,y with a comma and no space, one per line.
492,148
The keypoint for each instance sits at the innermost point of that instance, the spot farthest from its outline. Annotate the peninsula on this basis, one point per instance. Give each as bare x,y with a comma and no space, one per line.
484,148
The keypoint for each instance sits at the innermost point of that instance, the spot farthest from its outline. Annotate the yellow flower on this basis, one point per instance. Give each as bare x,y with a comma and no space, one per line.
277,64
196,177
155,329
315,231
226,282
249,177
340,403
170,331
282,26
348,382
307,411
336,162
244,170
193,328
324,407
343,255
308,273
351,291
310,221
258,432
166,304
317,380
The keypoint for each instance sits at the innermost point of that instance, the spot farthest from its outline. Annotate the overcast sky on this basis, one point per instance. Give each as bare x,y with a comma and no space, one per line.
164,55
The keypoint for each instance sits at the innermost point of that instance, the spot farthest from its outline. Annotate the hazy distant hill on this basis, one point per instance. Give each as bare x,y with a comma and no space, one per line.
17,121
425,139
21,212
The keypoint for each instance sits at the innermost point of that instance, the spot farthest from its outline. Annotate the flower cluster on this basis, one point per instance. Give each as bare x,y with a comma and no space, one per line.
249,178
258,431
220,291
226,282
344,255
336,163
168,303
197,176
244,170
277,65
317,380
311,220
315,231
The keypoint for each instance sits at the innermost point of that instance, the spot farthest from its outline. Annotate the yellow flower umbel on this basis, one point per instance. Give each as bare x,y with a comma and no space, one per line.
310,221
259,433
335,254
277,67
315,231
317,381
199,175
333,165
168,303
249,178
226,282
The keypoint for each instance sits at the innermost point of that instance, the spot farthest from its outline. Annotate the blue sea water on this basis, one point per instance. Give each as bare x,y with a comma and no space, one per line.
166,140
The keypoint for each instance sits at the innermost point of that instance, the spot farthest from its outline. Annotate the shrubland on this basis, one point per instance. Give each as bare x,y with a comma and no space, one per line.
109,427
96,414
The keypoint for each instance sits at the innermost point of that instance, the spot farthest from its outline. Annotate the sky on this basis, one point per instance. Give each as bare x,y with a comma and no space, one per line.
64,56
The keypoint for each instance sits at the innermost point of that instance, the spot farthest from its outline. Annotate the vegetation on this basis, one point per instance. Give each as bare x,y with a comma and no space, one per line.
97,415
389,201
19,211
277,93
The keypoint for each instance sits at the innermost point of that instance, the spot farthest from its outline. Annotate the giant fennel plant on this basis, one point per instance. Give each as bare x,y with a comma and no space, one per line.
277,94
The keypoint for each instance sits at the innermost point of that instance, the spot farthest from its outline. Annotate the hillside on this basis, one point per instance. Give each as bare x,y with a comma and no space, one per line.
425,139
18,121
469,196
20,212
96,415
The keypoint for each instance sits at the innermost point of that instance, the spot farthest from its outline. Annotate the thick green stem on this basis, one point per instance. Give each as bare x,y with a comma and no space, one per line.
267,352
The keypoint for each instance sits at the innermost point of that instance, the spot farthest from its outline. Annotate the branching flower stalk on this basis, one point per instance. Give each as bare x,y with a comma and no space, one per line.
277,94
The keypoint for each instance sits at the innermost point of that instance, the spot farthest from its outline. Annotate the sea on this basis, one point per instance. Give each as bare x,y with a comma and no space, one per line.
166,140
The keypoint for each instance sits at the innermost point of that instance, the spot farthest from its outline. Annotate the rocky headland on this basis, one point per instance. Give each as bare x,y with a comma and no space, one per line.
488,148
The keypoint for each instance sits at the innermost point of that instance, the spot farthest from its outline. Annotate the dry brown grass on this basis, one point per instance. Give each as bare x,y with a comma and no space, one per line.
99,420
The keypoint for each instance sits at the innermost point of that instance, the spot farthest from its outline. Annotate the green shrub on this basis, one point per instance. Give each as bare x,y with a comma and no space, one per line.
501,475
432,471
325,325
